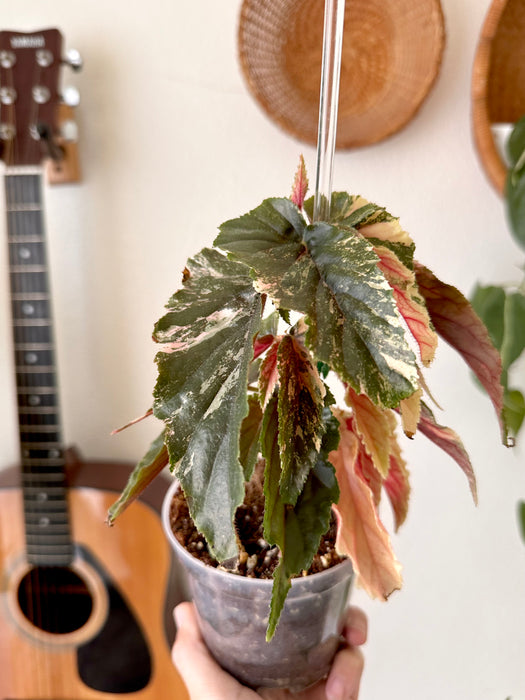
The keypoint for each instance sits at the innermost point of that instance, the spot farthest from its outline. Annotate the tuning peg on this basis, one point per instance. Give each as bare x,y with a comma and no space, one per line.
69,131
71,96
73,59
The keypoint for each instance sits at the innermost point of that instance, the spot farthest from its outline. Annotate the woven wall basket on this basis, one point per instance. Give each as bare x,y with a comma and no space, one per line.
498,82
391,55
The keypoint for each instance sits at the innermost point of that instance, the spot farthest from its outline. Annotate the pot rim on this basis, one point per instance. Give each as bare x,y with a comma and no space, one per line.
197,563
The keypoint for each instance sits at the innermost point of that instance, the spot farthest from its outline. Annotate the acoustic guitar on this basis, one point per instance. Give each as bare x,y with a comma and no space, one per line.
81,605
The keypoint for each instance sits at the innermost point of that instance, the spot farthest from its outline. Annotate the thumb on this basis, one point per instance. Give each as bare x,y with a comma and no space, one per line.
203,676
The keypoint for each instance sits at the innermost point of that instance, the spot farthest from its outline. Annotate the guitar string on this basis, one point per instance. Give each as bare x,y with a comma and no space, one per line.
23,286
11,158
35,198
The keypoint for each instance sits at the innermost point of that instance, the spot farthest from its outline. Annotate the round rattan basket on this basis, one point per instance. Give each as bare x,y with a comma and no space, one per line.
498,82
391,55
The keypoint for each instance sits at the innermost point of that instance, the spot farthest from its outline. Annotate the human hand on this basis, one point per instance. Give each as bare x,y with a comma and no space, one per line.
204,678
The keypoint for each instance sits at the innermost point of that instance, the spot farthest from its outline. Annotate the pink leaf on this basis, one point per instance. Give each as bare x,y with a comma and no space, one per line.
361,534
148,413
268,374
397,485
365,468
300,185
410,411
457,323
261,344
372,425
449,441
409,302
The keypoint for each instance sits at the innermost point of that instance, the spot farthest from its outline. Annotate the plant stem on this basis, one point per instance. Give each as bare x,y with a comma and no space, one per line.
328,104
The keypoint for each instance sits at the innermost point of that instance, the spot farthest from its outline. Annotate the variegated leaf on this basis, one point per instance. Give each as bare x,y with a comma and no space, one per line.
361,534
397,485
449,441
149,467
373,428
456,322
301,402
201,391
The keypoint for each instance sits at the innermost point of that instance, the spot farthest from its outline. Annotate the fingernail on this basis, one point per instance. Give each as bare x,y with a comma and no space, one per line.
178,614
335,689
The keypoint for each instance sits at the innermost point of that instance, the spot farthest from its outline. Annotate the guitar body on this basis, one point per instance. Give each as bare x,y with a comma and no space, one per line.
121,644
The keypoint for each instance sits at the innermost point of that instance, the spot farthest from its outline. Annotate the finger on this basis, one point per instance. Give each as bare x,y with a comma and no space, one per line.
345,676
356,626
203,676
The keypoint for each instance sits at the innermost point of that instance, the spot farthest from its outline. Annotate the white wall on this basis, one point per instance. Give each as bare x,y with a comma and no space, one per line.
171,145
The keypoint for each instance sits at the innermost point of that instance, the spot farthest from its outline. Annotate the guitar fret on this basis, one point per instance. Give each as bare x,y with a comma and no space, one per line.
54,521
25,323
24,207
36,390
41,445
28,268
49,476
34,346
50,557
40,429
26,237
28,296
34,370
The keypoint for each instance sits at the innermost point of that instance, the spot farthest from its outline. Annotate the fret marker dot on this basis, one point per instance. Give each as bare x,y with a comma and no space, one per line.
24,253
31,358
26,453
41,496
34,400
28,309
44,522
54,453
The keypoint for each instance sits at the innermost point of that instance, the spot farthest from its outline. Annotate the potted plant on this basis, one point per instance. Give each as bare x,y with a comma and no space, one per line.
268,324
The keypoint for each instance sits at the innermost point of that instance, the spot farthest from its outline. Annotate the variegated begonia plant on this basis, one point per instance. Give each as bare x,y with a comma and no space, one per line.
356,307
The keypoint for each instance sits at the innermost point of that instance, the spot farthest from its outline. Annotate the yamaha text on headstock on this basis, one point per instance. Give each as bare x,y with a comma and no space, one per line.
81,607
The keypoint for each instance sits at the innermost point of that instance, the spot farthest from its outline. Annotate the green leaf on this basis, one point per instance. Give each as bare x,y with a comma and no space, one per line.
153,462
301,402
296,530
521,516
515,201
516,143
249,438
514,409
304,526
514,338
201,390
489,303
274,507
270,240
354,325
515,183
340,210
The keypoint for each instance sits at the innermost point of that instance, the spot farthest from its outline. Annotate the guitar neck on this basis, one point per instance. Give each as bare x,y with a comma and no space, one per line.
48,537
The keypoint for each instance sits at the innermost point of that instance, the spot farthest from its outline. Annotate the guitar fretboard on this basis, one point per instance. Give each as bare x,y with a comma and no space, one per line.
48,537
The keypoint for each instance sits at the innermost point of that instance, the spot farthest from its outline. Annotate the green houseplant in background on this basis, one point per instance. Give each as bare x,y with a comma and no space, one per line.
502,307
265,323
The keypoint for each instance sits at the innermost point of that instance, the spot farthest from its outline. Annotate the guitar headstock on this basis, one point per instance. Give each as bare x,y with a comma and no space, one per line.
30,66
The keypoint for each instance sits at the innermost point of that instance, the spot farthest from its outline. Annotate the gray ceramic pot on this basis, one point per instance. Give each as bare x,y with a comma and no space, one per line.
233,614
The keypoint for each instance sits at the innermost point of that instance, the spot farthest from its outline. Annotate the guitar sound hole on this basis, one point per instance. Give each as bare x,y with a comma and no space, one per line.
55,599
